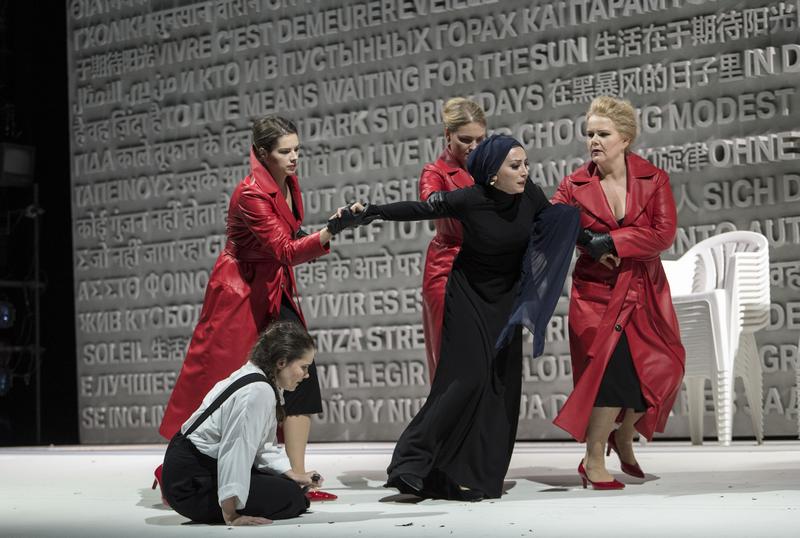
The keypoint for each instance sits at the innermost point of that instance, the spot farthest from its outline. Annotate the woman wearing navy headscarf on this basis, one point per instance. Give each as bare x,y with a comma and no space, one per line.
510,271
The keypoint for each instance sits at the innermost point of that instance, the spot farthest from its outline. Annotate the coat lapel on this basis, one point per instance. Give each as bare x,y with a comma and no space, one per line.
265,181
590,195
450,166
297,199
642,185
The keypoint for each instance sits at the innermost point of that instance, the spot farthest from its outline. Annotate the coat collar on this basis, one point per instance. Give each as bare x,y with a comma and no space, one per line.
641,186
450,166
265,181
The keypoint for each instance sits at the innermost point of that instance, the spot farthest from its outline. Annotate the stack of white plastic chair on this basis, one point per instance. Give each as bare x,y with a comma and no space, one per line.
720,289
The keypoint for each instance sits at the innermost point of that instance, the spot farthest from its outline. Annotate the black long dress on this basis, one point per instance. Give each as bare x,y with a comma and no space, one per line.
463,436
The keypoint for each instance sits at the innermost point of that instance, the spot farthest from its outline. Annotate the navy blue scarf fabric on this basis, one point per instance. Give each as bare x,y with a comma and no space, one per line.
544,269
485,160
549,252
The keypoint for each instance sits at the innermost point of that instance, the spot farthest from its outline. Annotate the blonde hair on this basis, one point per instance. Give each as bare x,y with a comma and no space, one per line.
619,111
459,111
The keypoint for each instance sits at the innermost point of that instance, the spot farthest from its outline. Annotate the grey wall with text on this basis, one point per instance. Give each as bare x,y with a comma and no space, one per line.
162,94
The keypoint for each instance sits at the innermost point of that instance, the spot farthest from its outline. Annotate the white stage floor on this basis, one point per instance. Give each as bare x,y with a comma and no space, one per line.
710,491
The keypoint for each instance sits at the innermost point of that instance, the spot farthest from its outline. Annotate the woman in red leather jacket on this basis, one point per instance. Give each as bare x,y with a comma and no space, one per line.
464,129
627,357
253,284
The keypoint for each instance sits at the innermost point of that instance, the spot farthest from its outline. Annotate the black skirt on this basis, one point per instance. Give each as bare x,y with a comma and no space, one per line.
620,386
306,399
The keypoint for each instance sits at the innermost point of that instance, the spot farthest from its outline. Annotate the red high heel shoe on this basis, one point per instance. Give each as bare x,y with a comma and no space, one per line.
157,482
613,484
631,469
319,495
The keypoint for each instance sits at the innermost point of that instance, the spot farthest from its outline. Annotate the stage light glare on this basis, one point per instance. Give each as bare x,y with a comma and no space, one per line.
7,315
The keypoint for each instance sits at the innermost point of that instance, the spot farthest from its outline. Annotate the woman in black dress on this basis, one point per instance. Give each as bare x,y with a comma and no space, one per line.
459,444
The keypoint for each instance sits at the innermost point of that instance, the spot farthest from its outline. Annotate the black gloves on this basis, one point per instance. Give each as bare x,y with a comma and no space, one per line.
349,219
596,243
369,214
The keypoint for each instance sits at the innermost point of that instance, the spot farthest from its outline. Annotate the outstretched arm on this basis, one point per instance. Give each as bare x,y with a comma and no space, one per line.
260,217
436,206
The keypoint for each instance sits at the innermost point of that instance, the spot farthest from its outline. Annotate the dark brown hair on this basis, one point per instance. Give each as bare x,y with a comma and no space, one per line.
267,131
281,340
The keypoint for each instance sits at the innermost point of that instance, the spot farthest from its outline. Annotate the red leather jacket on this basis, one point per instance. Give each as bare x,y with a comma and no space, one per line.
245,289
633,297
262,232
443,175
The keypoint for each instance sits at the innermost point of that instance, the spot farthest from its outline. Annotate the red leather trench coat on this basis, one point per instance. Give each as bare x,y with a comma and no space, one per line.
245,288
443,175
634,297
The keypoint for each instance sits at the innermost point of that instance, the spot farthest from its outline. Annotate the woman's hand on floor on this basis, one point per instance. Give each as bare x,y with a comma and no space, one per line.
248,521
235,519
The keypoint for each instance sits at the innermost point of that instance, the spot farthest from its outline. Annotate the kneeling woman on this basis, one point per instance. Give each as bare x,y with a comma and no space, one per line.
223,465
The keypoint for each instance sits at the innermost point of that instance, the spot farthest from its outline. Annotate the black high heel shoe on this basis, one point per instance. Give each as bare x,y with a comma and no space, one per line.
408,484
470,495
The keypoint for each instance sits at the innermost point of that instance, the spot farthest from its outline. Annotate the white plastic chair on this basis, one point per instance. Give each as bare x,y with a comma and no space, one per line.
720,289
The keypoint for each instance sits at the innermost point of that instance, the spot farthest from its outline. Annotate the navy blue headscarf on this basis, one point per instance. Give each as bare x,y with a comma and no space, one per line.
547,258
486,159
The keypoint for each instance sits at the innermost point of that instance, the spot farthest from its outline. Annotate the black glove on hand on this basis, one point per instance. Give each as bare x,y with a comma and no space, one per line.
348,220
596,243
369,214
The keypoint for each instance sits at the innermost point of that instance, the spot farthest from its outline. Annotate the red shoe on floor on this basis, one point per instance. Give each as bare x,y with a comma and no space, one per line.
319,495
631,469
612,484
157,482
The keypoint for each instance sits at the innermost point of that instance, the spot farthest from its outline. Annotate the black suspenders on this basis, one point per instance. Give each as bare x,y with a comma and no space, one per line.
233,387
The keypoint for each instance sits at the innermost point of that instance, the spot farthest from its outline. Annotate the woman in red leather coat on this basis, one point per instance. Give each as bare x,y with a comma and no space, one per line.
464,129
627,357
253,284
